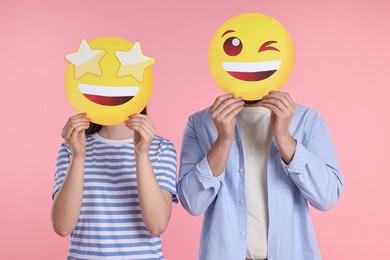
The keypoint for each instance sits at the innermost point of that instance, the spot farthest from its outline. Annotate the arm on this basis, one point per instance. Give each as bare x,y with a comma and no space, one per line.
201,176
314,170
155,202
67,201
223,113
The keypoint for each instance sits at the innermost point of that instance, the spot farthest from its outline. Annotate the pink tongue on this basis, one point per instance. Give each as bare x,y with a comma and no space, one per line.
252,76
108,101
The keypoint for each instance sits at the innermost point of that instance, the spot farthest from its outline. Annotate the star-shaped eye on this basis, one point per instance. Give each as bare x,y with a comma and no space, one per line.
86,60
133,62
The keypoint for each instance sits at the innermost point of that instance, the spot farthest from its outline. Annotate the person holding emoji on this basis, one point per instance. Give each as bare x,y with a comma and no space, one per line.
254,160
115,179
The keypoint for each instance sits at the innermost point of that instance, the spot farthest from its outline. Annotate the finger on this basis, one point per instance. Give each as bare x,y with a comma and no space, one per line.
67,132
143,117
135,117
145,134
288,106
286,96
79,115
144,122
79,129
76,129
221,99
228,104
75,122
277,99
227,110
75,133
274,109
234,113
136,126
75,119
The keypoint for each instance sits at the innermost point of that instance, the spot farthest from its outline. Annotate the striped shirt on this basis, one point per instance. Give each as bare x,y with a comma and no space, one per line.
110,224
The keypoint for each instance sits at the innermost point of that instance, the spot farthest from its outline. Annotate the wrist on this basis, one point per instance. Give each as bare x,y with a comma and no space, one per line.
141,153
224,139
78,157
284,138
77,161
222,145
287,145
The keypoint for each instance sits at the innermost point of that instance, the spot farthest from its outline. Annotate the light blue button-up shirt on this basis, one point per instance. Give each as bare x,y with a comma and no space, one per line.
313,176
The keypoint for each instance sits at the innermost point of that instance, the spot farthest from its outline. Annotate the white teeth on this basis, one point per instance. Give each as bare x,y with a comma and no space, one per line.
105,91
251,66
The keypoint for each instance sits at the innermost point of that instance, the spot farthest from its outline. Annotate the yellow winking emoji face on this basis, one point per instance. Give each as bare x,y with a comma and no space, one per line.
250,55
109,78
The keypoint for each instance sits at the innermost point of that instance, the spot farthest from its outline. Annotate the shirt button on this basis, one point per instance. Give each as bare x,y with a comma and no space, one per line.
241,170
241,201
243,232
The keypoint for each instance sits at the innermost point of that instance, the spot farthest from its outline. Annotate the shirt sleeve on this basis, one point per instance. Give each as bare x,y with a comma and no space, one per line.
62,164
314,168
197,186
166,169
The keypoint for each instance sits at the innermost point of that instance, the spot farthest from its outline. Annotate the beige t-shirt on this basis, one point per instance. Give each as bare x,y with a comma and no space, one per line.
256,137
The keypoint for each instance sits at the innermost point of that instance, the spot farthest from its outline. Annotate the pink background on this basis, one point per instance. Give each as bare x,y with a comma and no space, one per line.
342,70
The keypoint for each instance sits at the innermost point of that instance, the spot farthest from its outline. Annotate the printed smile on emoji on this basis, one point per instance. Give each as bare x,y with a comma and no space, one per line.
108,96
251,71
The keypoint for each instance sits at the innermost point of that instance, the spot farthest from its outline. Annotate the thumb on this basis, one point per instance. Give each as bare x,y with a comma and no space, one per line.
137,137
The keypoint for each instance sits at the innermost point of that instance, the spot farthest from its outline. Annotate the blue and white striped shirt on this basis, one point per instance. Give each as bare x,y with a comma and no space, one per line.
110,225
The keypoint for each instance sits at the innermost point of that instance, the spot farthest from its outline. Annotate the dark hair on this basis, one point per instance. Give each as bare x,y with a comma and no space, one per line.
93,127
250,102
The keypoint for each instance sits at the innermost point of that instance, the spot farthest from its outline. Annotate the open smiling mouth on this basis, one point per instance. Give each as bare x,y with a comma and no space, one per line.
251,71
108,96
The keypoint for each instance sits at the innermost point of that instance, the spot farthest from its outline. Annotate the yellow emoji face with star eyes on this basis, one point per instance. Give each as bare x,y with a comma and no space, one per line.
250,55
108,78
